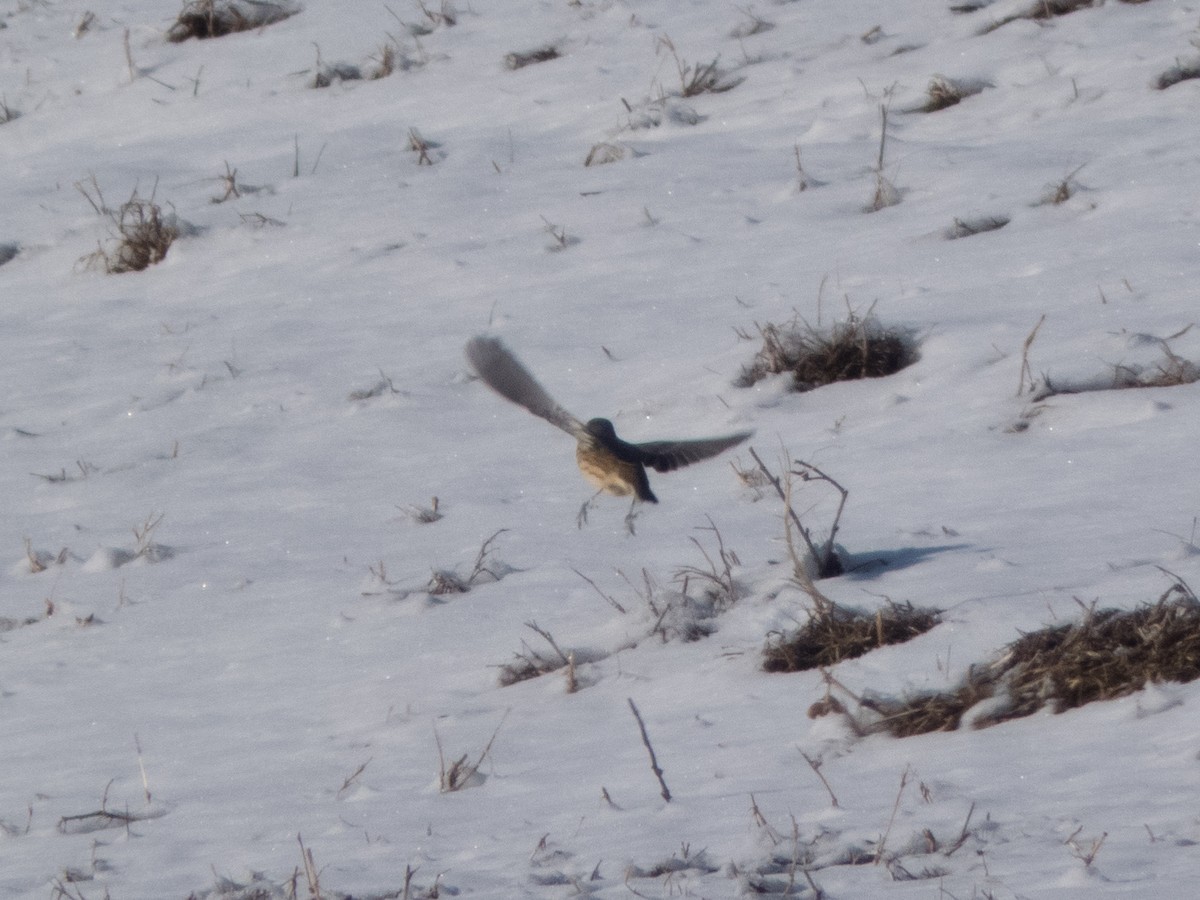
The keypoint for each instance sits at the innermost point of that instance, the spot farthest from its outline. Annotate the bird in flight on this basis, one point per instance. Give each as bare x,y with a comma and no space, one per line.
611,465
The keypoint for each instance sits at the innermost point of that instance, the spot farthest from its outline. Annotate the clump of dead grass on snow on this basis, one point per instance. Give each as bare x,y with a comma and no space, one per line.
1181,71
1170,371
143,232
1040,10
1107,654
944,92
203,19
7,113
836,633
698,78
856,347
970,227
521,59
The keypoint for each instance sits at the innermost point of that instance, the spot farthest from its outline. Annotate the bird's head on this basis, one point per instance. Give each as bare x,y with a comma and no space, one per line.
601,429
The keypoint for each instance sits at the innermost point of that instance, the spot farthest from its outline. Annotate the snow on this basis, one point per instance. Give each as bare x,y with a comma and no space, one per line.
271,634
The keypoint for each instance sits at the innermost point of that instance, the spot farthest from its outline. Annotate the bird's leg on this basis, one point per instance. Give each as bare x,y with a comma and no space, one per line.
581,519
631,515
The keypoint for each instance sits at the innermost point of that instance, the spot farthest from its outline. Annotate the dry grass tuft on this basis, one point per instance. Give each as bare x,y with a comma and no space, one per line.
143,236
385,62
532,663
857,347
604,153
447,581
968,227
203,19
427,151
1171,371
461,773
1108,654
1181,71
834,633
1041,10
696,79
1049,9
519,60
1062,191
927,713
337,72
943,93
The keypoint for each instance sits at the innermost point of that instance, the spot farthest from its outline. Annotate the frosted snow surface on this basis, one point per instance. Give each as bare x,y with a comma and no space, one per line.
219,632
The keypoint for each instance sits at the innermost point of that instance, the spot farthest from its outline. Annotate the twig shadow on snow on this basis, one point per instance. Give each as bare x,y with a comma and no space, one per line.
862,566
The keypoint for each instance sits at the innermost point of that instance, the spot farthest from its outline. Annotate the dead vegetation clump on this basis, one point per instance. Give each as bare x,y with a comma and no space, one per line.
144,233
943,93
604,153
856,347
1108,654
327,75
1049,9
1171,371
969,227
1063,190
203,19
1041,10
460,773
530,662
698,78
834,633
519,60
1181,71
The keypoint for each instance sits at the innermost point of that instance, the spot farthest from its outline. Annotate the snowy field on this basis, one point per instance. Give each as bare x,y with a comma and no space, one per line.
227,627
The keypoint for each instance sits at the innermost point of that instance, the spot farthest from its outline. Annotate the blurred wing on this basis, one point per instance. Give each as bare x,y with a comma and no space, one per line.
664,456
504,374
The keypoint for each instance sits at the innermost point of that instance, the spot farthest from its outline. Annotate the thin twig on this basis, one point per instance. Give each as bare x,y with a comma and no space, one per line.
617,605
815,765
892,818
1026,372
654,767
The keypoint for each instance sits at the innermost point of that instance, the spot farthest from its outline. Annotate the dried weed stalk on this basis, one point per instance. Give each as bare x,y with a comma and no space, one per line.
444,581
530,663
717,575
886,194
461,773
698,79
827,563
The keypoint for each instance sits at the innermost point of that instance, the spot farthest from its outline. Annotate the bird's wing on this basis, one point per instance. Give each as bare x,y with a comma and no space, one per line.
664,456
504,374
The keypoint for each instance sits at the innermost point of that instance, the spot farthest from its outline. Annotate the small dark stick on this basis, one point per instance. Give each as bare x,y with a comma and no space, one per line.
658,772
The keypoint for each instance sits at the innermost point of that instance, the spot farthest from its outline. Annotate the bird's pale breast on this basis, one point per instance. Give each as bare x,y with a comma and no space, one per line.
605,471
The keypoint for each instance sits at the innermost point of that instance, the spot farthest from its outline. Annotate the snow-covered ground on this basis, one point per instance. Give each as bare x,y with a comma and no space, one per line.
227,644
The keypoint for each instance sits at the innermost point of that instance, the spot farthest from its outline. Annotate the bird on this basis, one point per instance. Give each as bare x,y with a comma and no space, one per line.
610,464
